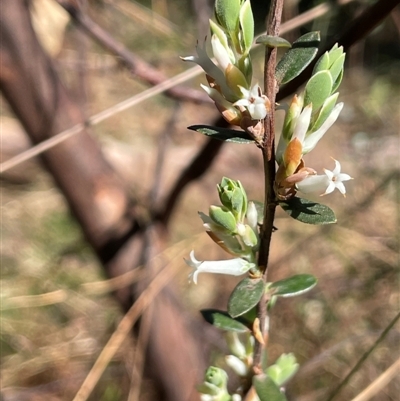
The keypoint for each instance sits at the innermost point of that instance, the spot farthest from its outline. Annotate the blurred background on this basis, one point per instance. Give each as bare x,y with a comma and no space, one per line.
59,305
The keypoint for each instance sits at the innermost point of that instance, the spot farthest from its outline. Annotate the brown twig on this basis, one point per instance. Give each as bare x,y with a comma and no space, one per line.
271,89
137,66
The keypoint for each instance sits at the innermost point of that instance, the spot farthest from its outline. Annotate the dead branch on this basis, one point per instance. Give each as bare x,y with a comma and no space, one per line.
137,66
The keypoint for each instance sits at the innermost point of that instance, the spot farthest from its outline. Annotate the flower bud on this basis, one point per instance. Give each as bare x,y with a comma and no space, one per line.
252,215
216,376
233,197
235,345
214,386
238,366
283,369
291,117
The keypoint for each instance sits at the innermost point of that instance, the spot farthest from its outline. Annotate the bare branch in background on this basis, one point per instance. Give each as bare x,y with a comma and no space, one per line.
137,66
203,12
95,194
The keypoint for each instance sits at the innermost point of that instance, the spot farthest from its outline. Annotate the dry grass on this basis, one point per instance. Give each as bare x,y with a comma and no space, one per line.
56,312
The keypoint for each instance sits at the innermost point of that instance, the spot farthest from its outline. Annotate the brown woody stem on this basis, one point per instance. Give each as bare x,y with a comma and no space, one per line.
271,89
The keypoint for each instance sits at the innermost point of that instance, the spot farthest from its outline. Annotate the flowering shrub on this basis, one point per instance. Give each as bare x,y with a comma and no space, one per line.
243,228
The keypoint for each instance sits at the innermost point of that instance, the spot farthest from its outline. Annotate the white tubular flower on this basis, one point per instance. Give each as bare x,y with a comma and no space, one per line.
212,70
302,124
312,139
234,267
220,53
238,366
328,182
254,101
308,140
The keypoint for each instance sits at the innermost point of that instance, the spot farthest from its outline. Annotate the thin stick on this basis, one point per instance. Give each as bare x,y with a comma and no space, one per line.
99,117
140,353
33,301
379,382
123,329
363,358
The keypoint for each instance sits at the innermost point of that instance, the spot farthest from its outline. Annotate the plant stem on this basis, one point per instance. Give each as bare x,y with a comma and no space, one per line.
271,89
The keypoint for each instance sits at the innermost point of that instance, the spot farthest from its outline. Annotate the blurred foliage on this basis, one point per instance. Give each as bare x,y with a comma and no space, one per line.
46,351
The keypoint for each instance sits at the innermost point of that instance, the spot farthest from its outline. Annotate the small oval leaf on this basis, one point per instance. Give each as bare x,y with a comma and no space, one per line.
227,13
297,58
318,89
222,320
307,211
247,24
292,286
337,67
337,82
223,134
223,216
273,41
266,389
325,111
245,296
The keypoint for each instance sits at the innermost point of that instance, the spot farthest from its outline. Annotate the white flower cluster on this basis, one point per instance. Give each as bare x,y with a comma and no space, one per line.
230,87
306,122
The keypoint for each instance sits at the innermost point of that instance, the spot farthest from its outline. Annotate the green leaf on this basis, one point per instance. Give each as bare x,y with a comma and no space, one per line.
221,35
292,286
318,89
222,320
283,369
223,134
308,211
223,216
249,316
297,58
227,13
247,24
337,68
322,64
273,41
266,389
245,296
337,82
325,111
335,53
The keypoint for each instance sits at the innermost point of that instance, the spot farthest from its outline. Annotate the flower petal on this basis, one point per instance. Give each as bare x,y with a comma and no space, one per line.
340,186
234,267
313,183
312,139
220,53
302,123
